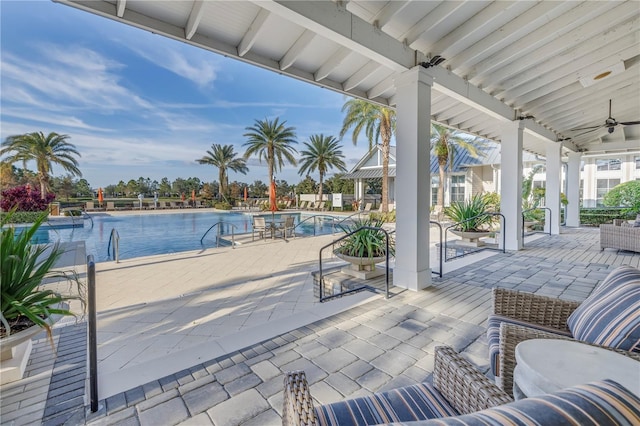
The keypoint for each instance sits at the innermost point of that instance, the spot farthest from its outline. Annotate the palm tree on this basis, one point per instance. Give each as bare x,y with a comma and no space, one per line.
321,153
223,157
271,141
444,143
378,122
44,150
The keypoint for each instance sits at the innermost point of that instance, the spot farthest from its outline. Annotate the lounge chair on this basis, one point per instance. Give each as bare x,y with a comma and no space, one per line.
303,205
458,388
111,205
320,206
89,206
288,225
367,207
259,227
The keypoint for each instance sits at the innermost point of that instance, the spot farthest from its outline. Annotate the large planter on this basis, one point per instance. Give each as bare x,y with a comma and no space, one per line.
362,267
15,351
471,237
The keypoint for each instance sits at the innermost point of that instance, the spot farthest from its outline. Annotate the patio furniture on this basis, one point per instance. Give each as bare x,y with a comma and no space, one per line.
573,363
608,318
259,227
458,388
620,235
111,205
287,225
436,214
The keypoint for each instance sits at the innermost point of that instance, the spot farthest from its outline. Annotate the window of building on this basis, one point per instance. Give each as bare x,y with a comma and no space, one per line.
604,186
610,164
637,163
457,188
434,189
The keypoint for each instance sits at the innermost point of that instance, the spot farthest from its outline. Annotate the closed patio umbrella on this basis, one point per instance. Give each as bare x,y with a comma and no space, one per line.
100,196
193,197
246,193
273,205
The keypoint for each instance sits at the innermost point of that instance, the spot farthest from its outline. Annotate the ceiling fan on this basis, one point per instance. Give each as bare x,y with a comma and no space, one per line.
610,124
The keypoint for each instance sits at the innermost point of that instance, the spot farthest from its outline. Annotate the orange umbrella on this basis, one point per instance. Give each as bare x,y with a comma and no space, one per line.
100,196
193,197
273,205
246,193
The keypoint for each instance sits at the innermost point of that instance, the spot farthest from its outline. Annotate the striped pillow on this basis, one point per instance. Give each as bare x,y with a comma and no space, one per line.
610,317
602,403
619,276
410,403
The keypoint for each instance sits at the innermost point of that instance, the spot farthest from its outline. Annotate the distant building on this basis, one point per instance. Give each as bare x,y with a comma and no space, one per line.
469,175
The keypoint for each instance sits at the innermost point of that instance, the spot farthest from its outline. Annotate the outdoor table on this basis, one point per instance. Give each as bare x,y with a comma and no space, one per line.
548,365
273,225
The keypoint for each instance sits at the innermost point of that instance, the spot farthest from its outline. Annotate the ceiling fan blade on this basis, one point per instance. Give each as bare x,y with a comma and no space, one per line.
587,132
629,123
587,128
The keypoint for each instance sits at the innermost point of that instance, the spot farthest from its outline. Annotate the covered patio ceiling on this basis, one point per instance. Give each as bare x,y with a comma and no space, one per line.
553,64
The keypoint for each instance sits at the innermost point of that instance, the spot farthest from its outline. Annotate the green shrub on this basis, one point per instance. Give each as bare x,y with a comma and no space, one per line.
389,217
469,214
222,205
625,195
598,216
366,242
20,217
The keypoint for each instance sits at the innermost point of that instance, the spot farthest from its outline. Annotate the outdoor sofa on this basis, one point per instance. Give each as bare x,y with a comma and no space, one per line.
461,395
609,318
621,235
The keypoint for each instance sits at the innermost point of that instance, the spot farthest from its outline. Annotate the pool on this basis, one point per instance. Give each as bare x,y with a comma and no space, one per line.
144,235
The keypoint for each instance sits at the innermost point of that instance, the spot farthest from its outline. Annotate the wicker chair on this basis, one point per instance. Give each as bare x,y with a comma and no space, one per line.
620,235
530,316
457,387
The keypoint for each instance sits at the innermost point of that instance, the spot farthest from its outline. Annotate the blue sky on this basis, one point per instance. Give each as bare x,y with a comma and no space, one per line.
137,104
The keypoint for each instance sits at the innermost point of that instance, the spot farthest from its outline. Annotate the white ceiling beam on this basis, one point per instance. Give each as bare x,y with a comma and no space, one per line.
360,75
448,43
335,23
253,32
512,29
437,15
579,15
384,15
566,48
194,19
381,88
120,7
334,62
296,49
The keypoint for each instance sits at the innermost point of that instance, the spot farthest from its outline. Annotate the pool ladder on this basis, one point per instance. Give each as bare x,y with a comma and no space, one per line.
115,238
233,228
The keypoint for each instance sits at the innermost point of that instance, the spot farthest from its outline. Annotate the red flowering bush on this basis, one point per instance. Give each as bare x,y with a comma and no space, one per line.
24,199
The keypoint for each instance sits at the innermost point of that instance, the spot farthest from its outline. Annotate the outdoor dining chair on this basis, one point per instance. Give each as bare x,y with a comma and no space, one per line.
259,227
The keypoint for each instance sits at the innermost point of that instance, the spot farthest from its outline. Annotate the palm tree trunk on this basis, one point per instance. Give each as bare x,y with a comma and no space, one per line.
43,186
320,187
440,199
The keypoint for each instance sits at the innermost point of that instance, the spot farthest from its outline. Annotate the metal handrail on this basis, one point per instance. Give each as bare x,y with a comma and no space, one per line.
502,228
358,213
115,237
314,217
535,208
93,335
363,287
433,222
233,235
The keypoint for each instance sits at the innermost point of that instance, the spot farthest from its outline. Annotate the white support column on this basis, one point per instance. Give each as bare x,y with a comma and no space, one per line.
413,130
573,189
511,183
554,182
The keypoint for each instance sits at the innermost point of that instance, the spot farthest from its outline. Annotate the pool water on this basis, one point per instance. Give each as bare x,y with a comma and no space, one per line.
144,235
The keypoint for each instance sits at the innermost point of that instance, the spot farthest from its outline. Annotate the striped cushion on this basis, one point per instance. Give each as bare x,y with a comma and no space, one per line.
417,402
493,336
602,403
610,317
619,276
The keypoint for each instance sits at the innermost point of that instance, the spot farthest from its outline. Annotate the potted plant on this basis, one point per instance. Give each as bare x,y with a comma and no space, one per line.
29,304
365,248
470,218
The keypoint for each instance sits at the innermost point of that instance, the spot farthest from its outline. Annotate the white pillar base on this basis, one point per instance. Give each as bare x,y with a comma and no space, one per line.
12,369
411,280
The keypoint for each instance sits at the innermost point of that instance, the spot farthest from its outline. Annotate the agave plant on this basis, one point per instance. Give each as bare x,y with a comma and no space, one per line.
366,242
469,215
23,267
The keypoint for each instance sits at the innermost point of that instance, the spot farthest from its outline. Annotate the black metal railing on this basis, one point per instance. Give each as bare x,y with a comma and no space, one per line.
364,286
93,336
218,236
536,208
433,222
481,215
315,218
113,251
